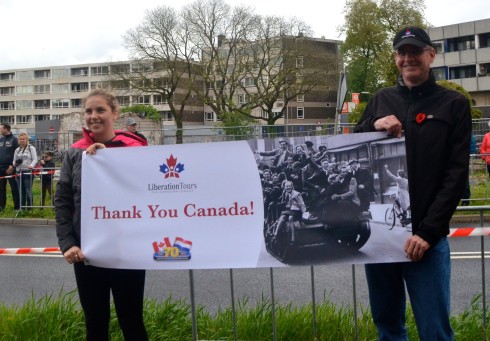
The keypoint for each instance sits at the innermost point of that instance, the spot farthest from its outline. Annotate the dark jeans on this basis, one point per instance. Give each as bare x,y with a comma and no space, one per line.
46,188
3,189
428,285
24,181
127,286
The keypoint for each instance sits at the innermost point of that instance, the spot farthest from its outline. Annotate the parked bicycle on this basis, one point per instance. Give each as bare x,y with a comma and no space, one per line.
396,212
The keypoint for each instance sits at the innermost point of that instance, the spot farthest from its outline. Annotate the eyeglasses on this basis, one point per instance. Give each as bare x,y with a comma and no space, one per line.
415,52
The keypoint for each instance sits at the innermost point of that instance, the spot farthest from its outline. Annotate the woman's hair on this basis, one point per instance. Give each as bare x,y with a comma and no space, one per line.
109,97
24,134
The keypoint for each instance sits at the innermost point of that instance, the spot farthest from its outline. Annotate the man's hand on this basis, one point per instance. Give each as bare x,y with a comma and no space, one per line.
389,123
415,248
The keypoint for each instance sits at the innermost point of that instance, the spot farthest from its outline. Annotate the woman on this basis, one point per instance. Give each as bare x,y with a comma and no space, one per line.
95,284
25,158
485,150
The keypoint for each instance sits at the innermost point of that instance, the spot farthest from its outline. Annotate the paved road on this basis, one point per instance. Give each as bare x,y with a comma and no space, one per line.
24,276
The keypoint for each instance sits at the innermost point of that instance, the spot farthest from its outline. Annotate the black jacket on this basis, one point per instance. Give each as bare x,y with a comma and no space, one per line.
8,145
437,145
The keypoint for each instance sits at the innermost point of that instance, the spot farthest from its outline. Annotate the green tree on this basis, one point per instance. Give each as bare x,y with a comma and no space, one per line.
369,28
144,110
475,112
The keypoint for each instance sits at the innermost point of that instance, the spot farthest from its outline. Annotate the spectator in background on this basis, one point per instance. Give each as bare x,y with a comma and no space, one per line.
8,145
47,163
131,127
25,158
485,150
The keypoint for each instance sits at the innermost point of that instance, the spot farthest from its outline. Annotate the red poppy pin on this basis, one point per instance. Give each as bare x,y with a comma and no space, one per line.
420,117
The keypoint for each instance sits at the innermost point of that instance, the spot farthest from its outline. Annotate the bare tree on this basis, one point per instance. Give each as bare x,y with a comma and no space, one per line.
162,59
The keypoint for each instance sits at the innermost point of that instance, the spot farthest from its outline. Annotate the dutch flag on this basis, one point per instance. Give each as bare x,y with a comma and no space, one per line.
182,244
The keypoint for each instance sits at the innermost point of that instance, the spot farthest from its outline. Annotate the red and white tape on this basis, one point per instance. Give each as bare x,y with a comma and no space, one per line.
469,232
29,250
456,232
33,173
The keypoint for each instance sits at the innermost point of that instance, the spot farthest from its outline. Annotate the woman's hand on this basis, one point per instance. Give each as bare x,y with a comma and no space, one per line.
74,255
92,148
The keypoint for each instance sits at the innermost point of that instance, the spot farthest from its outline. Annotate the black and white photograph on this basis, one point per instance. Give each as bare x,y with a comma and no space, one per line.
341,198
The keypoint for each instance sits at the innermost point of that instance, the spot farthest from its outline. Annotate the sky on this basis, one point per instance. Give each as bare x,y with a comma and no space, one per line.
46,33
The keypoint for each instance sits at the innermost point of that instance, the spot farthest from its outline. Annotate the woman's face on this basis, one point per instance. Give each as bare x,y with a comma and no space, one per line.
99,116
23,140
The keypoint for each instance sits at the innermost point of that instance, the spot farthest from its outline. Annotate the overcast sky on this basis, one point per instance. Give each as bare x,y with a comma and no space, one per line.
38,33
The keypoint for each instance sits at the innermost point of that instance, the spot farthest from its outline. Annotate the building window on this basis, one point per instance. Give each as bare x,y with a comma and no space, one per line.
300,98
300,113
21,105
24,90
7,76
438,46
39,74
99,70
209,117
120,85
99,85
7,91
248,81
41,104
79,72
61,103
24,75
159,100
55,117
484,70
123,100
62,88
42,89
242,99
61,73
79,87
7,119
41,117
460,72
461,43
144,99
439,73
264,113
24,119
10,105
299,61
76,103
167,116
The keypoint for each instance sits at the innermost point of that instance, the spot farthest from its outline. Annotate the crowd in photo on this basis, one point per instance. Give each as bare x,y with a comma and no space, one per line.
307,183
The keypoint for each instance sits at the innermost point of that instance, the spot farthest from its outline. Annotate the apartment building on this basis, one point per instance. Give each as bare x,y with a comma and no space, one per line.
47,93
463,57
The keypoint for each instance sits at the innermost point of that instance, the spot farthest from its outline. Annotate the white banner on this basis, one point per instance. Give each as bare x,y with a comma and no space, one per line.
200,206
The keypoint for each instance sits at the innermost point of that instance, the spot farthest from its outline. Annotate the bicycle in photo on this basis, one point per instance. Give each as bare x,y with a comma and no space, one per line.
395,212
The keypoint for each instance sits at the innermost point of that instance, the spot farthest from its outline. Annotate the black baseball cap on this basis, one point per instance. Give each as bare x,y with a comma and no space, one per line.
412,36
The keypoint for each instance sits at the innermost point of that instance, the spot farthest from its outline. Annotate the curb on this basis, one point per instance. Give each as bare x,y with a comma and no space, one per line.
27,221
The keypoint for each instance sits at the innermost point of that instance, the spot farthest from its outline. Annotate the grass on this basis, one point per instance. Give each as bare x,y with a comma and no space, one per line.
59,318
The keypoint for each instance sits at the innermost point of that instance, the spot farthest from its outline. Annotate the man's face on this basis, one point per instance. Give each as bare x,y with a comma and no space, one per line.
132,128
3,131
414,63
283,145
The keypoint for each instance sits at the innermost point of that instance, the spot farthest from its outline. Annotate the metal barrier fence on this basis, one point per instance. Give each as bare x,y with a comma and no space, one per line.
478,173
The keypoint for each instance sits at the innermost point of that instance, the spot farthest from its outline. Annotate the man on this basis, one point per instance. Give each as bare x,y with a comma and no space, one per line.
437,125
8,144
280,154
365,185
131,127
